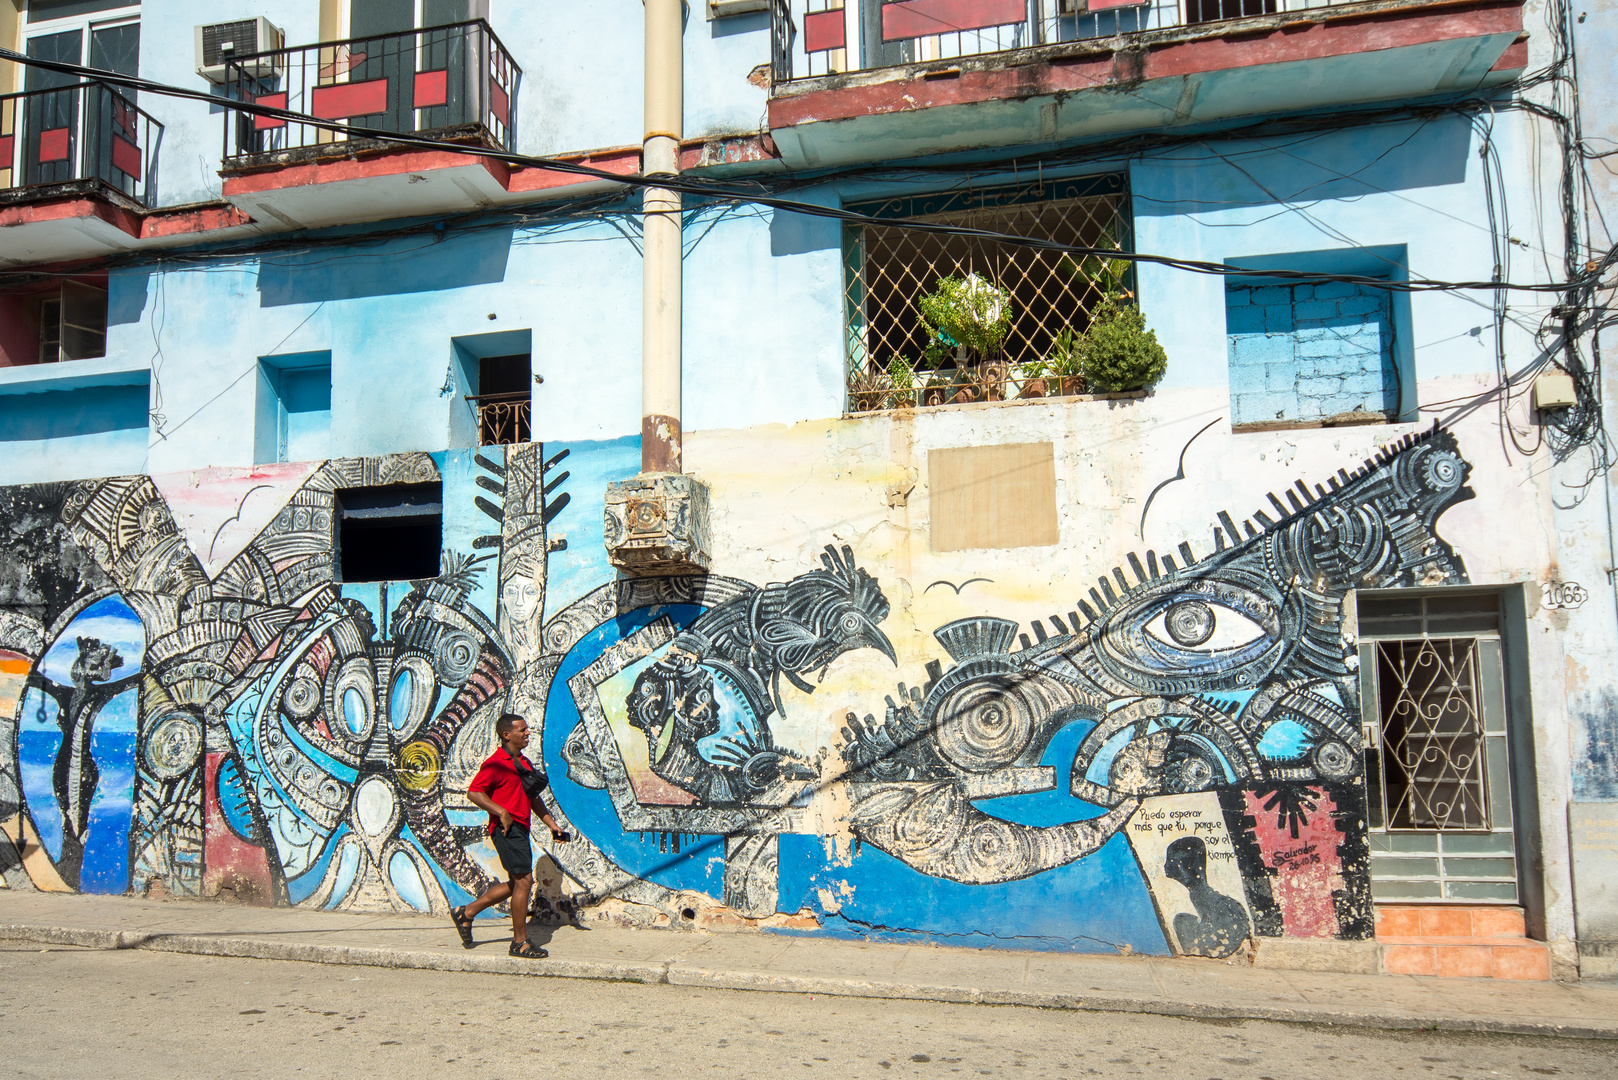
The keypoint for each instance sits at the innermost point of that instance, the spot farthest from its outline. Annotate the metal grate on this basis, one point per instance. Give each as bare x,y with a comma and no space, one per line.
503,419
241,36
893,360
1432,735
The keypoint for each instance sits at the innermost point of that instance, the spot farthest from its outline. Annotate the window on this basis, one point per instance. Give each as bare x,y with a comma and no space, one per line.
390,533
1437,775
893,360
48,325
294,408
1200,11
73,131
1315,354
504,399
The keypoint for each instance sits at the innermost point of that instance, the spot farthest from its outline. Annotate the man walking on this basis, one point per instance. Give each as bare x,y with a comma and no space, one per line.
508,787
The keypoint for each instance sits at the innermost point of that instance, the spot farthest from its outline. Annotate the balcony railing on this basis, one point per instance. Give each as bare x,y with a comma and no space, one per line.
456,80
503,419
82,132
826,37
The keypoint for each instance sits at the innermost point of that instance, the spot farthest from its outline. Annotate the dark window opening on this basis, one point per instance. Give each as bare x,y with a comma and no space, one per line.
392,533
505,400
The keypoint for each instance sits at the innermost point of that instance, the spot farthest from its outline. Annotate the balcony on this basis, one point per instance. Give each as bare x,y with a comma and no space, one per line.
503,419
76,171
924,76
455,82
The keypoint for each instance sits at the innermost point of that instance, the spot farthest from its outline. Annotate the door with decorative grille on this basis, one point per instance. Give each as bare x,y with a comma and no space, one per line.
1437,774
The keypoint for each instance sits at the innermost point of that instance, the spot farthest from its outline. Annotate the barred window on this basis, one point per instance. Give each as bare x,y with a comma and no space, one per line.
1043,298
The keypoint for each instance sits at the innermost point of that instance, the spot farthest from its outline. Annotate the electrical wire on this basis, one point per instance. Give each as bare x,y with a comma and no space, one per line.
721,191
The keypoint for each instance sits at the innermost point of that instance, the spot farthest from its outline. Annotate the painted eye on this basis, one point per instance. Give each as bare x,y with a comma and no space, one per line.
851,623
1196,626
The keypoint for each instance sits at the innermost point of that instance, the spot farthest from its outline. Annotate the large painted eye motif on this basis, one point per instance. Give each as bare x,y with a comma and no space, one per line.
1198,626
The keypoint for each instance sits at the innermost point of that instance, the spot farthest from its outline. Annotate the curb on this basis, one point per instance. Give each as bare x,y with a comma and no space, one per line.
674,973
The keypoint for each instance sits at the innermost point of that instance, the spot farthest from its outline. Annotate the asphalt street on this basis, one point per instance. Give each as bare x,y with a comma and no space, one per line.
67,1012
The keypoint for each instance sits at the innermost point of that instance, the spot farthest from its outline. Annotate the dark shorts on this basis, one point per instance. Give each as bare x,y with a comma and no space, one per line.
516,854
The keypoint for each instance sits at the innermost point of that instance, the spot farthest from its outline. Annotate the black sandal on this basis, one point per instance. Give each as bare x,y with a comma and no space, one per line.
463,926
527,950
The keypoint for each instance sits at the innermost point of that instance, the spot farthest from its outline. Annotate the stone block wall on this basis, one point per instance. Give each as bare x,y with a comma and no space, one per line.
1308,352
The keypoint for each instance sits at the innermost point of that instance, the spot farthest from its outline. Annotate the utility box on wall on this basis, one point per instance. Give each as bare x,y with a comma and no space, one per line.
656,525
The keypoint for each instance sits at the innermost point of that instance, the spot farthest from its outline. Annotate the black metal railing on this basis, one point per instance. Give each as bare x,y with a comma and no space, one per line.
503,419
455,79
82,131
811,38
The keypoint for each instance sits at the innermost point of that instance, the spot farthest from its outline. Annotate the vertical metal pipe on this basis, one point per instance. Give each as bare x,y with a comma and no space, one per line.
660,446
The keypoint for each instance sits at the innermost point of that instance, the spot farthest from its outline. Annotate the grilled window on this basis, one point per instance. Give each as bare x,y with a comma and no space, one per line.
1432,734
895,360
504,400
1437,774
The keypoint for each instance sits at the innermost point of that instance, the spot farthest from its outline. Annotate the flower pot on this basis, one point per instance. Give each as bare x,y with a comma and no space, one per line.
1033,388
1072,384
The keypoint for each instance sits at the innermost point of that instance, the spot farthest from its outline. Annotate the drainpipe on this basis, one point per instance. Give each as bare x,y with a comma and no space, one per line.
656,524
660,440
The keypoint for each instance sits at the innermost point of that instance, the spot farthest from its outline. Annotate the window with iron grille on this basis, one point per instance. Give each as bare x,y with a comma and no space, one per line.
897,360
1437,775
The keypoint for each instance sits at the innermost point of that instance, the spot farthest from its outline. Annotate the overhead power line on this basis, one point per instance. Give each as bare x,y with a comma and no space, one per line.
727,193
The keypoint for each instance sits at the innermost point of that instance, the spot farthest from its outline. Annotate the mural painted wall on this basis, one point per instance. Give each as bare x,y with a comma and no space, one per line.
190,705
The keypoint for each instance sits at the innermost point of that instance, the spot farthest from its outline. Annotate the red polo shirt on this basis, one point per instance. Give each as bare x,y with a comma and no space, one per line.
499,781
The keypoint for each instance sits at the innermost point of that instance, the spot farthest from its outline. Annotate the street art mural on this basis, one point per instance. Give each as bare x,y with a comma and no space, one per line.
191,705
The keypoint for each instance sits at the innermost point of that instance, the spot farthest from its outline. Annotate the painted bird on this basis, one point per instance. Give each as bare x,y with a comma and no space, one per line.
791,628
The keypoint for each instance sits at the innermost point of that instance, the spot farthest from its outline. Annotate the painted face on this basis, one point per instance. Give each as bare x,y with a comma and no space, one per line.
520,598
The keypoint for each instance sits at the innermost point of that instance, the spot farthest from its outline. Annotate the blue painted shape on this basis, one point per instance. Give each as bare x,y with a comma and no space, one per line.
234,803
39,737
303,886
354,710
1091,905
106,839
699,866
1286,740
407,881
582,566
465,521
453,891
401,697
112,622
348,865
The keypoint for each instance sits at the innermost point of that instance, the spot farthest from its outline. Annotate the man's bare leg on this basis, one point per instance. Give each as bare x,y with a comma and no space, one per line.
494,895
520,889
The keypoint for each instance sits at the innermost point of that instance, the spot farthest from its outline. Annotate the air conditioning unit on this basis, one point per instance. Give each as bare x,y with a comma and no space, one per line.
724,9
218,42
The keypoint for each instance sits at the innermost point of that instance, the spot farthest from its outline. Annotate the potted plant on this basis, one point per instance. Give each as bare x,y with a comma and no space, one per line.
869,390
902,384
972,315
1117,353
1033,378
1065,364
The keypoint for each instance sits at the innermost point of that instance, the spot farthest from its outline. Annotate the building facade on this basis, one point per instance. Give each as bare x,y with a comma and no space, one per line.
1301,647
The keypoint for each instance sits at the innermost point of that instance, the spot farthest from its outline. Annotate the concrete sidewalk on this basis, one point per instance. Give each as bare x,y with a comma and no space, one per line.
790,964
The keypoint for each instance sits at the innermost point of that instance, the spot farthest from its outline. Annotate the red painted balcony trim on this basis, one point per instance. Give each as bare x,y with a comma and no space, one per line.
1318,34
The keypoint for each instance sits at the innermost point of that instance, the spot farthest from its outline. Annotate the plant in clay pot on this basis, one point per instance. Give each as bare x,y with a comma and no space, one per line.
870,390
1117,353
1033,379
972,315
902,383
1064,364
